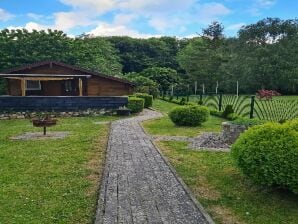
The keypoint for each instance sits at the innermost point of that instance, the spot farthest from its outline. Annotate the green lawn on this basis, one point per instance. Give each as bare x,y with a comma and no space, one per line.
164,126
226,194
163,106
51,181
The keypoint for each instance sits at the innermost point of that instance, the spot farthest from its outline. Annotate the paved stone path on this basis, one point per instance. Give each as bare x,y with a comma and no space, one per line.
138,186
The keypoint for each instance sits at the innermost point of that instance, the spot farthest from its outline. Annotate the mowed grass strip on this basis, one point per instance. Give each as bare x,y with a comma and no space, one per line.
227,195
51,181
164,125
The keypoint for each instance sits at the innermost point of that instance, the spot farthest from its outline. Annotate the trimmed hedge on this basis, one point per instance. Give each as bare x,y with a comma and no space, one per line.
135,104
189,115
147,98
268,154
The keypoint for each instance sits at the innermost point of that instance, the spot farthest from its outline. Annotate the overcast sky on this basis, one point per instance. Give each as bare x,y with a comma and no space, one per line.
140,18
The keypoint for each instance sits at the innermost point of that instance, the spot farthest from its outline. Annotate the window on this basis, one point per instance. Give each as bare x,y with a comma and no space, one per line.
33,85
68,86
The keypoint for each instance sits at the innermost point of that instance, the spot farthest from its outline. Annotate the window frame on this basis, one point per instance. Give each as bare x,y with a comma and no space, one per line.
32,89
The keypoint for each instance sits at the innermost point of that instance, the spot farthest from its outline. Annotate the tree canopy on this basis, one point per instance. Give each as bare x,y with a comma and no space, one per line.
263,55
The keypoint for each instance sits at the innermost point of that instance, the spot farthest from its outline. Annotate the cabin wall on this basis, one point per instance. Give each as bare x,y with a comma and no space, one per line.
52,88
14,87
94,86
102,87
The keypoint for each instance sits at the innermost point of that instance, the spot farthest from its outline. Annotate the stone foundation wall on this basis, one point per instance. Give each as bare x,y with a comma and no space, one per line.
230,132
28,115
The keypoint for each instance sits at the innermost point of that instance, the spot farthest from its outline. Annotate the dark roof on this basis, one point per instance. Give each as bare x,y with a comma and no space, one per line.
38,64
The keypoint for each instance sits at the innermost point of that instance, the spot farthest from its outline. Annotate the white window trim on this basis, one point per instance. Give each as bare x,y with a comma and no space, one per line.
39,85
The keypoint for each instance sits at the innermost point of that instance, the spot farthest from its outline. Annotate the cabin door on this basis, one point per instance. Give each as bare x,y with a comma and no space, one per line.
69,88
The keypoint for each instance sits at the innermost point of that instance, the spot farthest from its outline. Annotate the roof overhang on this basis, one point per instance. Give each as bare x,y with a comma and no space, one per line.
42,77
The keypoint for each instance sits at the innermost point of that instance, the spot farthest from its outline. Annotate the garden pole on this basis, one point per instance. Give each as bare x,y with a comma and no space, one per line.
220,102
252,104
187,98
237,88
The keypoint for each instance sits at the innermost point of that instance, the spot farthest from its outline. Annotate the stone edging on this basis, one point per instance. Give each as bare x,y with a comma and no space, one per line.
99,203
197,204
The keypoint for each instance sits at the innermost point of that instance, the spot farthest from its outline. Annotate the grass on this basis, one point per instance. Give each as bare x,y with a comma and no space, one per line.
226,194
163,106
164,126
51,181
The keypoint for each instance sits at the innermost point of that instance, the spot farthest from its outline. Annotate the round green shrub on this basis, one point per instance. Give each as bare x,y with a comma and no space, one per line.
135,104
268,154
228,110
148,99
189,115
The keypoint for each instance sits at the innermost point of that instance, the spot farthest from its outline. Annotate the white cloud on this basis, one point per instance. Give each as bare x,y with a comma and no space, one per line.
235,26
265,3
164,16
35,16
209,12
67,20
30,26
258,5
124,18
105,29
100,6
4,15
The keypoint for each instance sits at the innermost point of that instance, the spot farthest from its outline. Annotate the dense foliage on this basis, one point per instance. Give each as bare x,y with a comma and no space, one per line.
135,104
268,154
189,115
262,56
148,99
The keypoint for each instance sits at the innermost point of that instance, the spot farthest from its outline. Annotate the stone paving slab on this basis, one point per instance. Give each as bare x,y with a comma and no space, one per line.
138,186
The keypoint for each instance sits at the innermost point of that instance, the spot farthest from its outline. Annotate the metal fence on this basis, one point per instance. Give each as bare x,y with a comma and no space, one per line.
276,109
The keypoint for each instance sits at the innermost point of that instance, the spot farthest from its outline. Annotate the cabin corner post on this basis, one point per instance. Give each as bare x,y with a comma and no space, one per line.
23,87
80,87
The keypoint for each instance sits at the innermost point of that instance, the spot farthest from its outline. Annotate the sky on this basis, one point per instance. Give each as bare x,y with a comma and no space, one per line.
140,18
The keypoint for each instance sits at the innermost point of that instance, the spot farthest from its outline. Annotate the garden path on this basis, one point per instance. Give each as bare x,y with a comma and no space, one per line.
138,184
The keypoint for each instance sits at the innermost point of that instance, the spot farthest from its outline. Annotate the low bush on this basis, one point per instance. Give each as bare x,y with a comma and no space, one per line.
135,104
148,99
216,113
200,102
228,110
247,121
189,115
182,101
232,116
268,154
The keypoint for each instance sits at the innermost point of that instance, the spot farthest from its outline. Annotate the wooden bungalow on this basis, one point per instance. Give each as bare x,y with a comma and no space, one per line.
51,78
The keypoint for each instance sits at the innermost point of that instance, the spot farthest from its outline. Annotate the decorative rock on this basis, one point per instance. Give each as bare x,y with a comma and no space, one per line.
230,132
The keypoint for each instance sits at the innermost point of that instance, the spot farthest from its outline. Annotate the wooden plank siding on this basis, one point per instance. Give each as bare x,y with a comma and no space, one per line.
95,85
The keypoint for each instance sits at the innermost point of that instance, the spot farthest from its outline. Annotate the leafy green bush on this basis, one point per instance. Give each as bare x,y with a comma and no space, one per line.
247,121
148,99
268,154
200,102
216,113
228,110
232,116
189,115
135,104
182,101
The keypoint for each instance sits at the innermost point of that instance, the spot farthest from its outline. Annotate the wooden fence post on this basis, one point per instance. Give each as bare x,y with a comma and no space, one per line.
252,104
220,102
